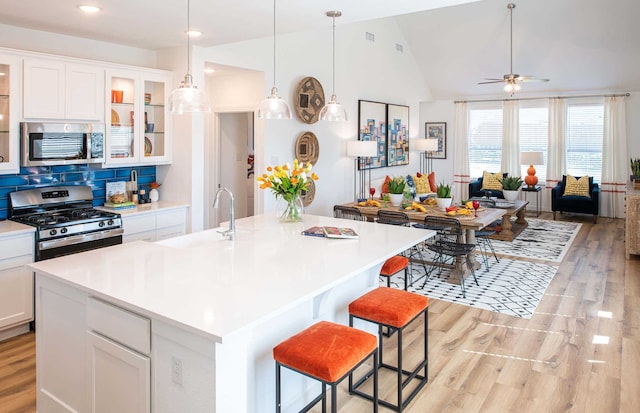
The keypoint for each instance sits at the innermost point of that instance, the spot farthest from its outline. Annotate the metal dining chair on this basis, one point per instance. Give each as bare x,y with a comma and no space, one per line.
483,236
340,211
443,247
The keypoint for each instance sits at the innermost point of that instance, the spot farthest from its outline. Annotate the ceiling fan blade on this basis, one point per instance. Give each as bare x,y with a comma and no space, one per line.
491,81
527,78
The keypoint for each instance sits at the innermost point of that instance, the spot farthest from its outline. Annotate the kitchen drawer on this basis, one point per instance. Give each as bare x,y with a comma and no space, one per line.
16,246
141,223
120,325
169,219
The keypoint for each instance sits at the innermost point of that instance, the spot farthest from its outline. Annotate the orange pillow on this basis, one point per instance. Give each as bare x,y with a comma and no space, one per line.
432,182
385,185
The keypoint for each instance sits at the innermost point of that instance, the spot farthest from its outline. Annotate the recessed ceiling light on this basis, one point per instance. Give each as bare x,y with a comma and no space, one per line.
194,33
89,9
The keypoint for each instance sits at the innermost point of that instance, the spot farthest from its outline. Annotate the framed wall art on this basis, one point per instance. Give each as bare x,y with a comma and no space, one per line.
372,126
437,130
397,135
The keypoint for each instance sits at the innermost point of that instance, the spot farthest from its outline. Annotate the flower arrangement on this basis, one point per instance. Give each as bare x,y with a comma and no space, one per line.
288,183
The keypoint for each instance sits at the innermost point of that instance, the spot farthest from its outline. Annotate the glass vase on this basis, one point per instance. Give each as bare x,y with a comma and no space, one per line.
289,210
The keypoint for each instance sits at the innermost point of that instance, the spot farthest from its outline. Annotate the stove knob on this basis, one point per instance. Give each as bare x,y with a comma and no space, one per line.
63,230
53,232
110,222
101,224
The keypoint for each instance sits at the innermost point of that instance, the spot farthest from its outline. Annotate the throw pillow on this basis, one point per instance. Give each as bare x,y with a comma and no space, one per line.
577,187
432,182
422,184
385,185
491,181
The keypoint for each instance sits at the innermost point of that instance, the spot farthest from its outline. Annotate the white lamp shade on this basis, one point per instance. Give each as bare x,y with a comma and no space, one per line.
426,145
531,158
362,148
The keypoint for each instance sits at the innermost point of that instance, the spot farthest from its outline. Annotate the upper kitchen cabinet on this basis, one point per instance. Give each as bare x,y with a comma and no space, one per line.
138,128
54,89
9,130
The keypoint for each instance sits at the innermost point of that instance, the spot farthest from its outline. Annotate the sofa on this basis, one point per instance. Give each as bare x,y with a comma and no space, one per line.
476,191
574,203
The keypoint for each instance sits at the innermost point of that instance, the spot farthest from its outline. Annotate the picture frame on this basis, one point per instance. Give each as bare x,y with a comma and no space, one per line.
372,126
437,130
397,135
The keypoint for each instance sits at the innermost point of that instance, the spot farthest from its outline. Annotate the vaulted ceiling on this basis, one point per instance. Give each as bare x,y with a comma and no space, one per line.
578,44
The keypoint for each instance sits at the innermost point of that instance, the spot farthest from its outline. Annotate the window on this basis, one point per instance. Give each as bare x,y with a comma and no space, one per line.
585,129
485,141
534,130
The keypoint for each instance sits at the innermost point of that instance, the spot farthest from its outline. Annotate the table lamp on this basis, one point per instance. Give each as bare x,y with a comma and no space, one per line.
531,158
359,150
427,147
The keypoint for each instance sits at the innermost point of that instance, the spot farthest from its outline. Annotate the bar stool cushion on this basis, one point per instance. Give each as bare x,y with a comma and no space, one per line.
326,350
393,265
389,306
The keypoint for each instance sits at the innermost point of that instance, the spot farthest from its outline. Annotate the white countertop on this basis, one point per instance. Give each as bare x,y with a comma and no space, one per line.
13,228
216,287
146,208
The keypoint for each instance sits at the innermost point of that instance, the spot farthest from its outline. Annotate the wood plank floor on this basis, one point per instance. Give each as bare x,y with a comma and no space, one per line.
482,361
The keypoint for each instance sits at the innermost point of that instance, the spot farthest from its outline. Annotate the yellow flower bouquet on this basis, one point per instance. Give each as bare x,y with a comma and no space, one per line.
288,183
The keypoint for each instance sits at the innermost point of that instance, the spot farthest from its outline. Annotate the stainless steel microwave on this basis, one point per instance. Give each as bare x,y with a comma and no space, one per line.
48,143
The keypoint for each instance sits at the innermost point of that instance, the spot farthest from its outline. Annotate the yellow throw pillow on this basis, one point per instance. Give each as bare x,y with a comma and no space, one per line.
579,187
422,184
491,181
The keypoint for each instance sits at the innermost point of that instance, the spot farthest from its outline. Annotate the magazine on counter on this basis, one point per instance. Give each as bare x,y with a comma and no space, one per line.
330,232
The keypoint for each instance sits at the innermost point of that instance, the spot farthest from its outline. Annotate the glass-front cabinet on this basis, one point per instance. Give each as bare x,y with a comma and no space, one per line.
9,128
138,128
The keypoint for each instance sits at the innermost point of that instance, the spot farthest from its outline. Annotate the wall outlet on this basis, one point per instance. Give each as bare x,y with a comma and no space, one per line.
176,370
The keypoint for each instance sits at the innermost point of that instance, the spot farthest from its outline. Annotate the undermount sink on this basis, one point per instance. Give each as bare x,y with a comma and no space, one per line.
200,238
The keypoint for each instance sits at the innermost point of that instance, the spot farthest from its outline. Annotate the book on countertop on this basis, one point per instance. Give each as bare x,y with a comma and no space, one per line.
121,205
330,232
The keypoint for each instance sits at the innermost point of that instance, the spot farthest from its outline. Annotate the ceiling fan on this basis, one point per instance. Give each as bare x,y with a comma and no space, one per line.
511,79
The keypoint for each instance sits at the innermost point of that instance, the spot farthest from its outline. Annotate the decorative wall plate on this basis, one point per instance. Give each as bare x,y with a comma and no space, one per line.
309,99
308,196
307,148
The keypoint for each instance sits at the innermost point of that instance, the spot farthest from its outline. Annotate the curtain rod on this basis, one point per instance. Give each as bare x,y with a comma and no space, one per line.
548,97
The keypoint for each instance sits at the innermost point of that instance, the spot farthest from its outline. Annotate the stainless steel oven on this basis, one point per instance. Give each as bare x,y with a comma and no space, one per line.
49,143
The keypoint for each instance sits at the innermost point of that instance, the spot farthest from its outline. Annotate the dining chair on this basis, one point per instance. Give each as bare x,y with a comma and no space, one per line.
340,211
443,247
483,236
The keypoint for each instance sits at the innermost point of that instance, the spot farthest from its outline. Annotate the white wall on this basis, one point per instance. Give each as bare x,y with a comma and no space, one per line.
364,70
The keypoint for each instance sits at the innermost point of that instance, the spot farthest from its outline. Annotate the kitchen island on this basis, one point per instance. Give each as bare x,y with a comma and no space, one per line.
188,324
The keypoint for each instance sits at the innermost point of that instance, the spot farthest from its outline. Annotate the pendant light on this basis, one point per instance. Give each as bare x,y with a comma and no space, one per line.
187,98
274,107
333,111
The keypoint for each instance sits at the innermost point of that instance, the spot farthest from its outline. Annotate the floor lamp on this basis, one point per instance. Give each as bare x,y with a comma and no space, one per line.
427,147
360,150
531,158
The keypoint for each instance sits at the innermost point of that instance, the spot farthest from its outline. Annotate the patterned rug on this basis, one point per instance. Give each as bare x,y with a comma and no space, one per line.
509,287
542,239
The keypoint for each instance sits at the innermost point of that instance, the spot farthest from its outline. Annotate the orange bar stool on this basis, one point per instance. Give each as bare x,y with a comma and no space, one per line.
327,352
393,266
394,309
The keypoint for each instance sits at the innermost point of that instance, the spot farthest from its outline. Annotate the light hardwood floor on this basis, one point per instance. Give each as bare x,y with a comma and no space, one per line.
482,361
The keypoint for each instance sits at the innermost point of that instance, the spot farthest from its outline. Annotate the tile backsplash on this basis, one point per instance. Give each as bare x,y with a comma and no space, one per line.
96,178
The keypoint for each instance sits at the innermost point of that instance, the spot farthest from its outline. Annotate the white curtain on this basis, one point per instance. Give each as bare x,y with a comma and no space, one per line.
615,162
557,147
511,137
461,153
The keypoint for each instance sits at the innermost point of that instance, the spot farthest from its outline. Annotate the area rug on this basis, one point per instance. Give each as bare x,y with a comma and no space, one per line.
542,240
509,287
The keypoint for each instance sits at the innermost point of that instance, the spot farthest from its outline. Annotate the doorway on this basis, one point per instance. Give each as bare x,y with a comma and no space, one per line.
235,160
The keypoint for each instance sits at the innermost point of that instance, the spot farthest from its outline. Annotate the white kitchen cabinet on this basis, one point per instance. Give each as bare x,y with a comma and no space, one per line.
154,224
138,126
16,281
59,90
9,132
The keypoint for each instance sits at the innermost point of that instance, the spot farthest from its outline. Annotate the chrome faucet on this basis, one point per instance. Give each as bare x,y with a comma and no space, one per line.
231,232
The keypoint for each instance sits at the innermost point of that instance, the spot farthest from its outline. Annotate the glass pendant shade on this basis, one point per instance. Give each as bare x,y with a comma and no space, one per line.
273,107
188,98
333,111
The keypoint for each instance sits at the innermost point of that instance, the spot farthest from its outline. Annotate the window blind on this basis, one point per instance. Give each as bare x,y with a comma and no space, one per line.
485,141
533,136
585,129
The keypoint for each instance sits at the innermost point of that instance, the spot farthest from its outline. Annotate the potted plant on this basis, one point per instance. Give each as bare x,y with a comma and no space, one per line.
396,190
443,196
511,186
635,169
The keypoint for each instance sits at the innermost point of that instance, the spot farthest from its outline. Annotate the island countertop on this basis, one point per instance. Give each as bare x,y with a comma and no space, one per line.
215,287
